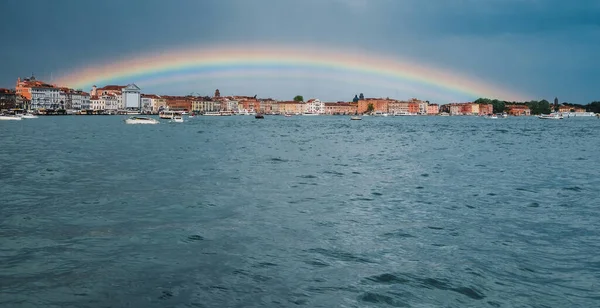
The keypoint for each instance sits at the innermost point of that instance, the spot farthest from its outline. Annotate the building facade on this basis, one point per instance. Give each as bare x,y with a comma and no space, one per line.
131,97
8,99
315,106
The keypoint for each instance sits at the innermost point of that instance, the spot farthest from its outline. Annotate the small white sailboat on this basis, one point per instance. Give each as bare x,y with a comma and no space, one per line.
141,120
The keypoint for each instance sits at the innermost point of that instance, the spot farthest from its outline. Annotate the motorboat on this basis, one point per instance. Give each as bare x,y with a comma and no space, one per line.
167,114
259,116
141,120
28,116
493,116
552,116
10,117
177,119
355,118
288,115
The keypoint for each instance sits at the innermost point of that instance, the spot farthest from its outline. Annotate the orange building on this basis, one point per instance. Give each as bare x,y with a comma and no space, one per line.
518,110
413,107
379,105
433,109
179,102
486,109
341,108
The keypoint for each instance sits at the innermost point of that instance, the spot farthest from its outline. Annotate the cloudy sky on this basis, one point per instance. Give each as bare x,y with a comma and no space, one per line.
543,48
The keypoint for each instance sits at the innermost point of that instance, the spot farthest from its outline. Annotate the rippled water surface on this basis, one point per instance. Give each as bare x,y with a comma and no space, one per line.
300,211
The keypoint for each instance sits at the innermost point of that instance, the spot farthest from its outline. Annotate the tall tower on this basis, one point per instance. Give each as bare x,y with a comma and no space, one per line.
217,93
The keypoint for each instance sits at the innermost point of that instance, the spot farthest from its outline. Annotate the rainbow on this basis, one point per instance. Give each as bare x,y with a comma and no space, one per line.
239,61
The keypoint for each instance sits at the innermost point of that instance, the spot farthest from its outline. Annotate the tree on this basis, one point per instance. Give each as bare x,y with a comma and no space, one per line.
370,107
298,98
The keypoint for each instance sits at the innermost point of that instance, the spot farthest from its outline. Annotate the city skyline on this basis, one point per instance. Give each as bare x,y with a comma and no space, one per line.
437,51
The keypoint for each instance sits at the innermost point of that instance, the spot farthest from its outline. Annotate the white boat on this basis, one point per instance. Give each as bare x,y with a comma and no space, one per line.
552,116
177,119
167,114
355,118
10,118
141,120
580,114
310,114
404,113
28,116
493,116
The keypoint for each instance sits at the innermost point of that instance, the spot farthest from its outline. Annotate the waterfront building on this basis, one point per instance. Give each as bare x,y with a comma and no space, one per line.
146,103
292,107
95,103
379,105
41,94
268,105
74,99
157,103
180,103
315,106
127,97
485,109
341,108
131,97
422,106
474,109
206,104
8,99
398,107
566,109
413,107
518,110
455,109
433,109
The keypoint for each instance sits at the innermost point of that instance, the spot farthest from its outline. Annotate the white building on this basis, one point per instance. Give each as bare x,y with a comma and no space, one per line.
131,97
73,99
80,100
45,97
146,104
315,106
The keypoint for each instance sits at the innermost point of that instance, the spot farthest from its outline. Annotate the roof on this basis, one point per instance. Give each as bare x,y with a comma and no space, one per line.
112,87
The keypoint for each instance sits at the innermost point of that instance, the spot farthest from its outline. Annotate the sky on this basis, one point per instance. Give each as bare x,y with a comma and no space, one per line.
538,48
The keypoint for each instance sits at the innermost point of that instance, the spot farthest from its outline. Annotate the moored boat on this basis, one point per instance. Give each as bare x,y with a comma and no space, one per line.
10,118
28,116
355,118
259,116
552,116
141,120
